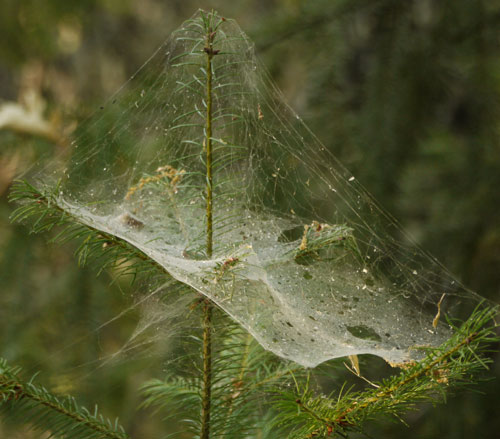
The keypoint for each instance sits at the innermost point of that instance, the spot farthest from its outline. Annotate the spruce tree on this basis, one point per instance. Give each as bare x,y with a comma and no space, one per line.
230,382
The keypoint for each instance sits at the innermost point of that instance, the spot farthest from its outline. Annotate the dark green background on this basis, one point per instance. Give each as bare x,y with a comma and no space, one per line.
405,93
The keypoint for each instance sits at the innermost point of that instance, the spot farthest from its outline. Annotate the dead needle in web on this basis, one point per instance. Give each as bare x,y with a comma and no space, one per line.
435,322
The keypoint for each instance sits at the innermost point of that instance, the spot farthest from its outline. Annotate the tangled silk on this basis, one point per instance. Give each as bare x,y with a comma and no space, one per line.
303,257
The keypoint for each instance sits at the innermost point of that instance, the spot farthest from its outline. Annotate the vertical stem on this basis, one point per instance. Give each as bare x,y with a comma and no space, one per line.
207,310
208,145
207,371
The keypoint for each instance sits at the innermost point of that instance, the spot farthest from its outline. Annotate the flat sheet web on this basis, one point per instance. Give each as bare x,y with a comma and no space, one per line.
304,258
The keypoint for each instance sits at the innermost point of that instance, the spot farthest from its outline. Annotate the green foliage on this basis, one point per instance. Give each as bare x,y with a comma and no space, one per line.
107,251
243,375
452,366
23,401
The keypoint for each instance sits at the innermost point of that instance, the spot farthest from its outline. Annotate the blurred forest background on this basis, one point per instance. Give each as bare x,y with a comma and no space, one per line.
405,93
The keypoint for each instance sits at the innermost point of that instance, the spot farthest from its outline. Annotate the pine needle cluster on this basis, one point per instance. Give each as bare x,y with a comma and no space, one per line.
25,402
452,366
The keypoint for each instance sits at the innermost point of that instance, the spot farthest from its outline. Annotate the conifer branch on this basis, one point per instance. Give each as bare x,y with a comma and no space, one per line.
443,369
242,375
239,380
24,401
43,211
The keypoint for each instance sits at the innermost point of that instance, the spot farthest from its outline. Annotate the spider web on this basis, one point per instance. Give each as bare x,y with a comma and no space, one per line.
304,258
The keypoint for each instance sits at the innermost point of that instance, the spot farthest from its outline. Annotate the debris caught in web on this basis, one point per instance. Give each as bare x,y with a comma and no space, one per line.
303,257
